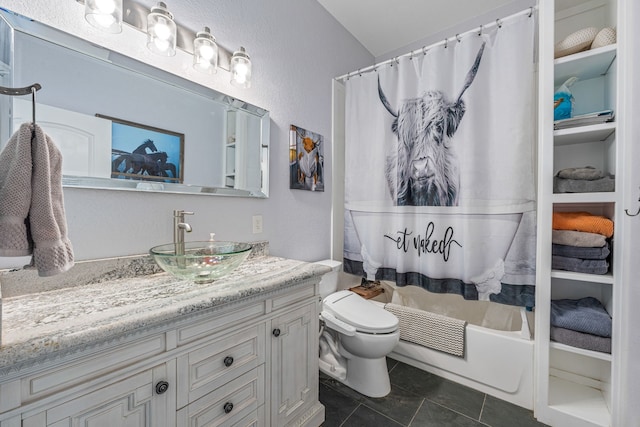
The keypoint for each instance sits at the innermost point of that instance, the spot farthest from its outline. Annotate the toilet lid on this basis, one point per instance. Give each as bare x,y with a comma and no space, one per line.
360,313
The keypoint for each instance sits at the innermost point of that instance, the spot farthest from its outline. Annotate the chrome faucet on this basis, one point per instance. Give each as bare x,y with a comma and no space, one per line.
179,228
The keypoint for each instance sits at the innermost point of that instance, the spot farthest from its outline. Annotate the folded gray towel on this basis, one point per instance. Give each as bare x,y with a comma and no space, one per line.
589,266
581,340
587,172
586,315
578,238
580,252
32,218
602,185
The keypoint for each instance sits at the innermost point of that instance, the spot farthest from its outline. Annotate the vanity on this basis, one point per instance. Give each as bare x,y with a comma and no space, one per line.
152,350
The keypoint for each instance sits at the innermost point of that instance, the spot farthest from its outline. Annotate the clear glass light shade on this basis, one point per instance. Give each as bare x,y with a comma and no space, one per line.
240,69
161,31
104,14
205,52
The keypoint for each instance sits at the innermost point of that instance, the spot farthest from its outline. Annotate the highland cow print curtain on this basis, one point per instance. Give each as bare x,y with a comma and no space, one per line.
440,189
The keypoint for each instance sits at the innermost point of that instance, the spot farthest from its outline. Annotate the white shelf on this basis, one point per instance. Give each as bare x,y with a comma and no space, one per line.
585,65
584,134
605,279
579,401
584,198
589,353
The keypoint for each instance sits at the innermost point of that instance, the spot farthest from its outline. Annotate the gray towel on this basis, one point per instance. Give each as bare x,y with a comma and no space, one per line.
581,340
586,173
586,315
578,238
580,252
602,185
589,266
32,217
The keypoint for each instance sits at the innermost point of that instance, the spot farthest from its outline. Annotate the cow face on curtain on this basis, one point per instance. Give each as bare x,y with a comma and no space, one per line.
423,171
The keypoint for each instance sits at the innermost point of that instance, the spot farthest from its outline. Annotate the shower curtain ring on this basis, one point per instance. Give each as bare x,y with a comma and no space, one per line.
530,11
480,31
424,50
446,42
458,37
499,23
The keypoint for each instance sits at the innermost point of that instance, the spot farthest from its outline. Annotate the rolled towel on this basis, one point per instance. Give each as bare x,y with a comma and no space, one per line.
583,221
585,173
581,340
586,315
578,238
580,252
588,266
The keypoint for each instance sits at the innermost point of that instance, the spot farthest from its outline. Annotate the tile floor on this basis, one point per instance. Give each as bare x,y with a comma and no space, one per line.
418,399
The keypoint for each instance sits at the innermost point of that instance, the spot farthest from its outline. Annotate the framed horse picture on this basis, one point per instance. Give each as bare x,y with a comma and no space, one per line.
145,153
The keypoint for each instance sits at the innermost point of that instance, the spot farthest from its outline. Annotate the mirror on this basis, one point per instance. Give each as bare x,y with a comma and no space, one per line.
123,124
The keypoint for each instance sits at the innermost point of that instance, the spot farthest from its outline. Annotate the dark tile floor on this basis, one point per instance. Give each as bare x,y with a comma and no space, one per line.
418,399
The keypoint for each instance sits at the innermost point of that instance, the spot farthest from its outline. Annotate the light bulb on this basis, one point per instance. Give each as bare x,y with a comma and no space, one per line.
161,31
106,7
104,14
205,52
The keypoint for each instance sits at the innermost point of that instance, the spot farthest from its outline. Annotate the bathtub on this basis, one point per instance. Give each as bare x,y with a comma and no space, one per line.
498,346
467,242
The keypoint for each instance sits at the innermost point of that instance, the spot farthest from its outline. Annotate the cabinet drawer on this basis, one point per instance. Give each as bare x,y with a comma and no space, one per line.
215,363
231,405
286,300
54,380
221,320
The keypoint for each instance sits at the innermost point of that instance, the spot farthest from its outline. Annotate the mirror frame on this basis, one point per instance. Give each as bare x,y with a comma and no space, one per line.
27,26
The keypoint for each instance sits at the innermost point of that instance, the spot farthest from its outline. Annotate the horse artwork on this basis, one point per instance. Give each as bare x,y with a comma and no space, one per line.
158,157
142,165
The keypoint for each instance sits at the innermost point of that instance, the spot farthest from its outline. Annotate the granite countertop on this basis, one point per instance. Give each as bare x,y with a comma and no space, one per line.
40,324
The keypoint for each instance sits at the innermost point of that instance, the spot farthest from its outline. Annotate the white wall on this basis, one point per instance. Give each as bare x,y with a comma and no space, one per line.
296,48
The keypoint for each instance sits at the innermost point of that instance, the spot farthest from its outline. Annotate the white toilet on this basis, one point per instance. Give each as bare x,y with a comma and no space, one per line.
356,339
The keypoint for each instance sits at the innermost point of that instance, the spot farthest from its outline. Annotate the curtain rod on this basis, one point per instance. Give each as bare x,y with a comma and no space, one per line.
425,49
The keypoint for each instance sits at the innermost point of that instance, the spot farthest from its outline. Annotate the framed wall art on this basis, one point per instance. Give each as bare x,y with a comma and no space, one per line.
145,153
306,159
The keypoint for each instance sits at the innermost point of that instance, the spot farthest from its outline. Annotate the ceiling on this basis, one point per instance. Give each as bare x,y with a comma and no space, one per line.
384,25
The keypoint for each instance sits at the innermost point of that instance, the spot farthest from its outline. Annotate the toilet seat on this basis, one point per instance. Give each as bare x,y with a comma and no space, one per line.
360,313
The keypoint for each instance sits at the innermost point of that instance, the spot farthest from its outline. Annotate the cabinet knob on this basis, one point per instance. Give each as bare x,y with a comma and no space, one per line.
161,387
276,332
228,361
228,407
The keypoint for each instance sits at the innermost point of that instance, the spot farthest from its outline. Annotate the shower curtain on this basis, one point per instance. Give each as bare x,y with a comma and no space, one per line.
440,183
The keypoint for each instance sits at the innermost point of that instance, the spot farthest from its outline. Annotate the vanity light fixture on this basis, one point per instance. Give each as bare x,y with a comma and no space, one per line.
162,36
161,31
240,68
104,14
205,52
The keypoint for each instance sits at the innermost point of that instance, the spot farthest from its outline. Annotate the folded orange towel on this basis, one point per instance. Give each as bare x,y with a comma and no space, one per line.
583,221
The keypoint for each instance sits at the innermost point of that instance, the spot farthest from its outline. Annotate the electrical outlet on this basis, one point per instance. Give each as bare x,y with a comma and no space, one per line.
257,224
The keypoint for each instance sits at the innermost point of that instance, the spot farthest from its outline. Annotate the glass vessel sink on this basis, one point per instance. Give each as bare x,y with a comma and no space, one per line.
202,262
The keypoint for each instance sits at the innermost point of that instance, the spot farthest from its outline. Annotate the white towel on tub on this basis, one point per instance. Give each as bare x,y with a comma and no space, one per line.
32,217
430,330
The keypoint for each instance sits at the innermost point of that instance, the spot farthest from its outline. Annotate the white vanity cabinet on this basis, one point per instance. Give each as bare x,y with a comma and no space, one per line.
253,362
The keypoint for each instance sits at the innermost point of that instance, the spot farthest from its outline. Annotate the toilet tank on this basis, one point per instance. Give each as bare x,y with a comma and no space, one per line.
329,282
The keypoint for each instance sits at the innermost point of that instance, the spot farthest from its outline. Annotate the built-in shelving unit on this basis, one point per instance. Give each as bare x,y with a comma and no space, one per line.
574,385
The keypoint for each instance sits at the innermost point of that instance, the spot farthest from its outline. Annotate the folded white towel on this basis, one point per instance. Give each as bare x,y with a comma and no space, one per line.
32,217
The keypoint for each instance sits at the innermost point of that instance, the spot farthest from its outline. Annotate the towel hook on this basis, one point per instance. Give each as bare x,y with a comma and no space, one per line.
635,214
17,91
